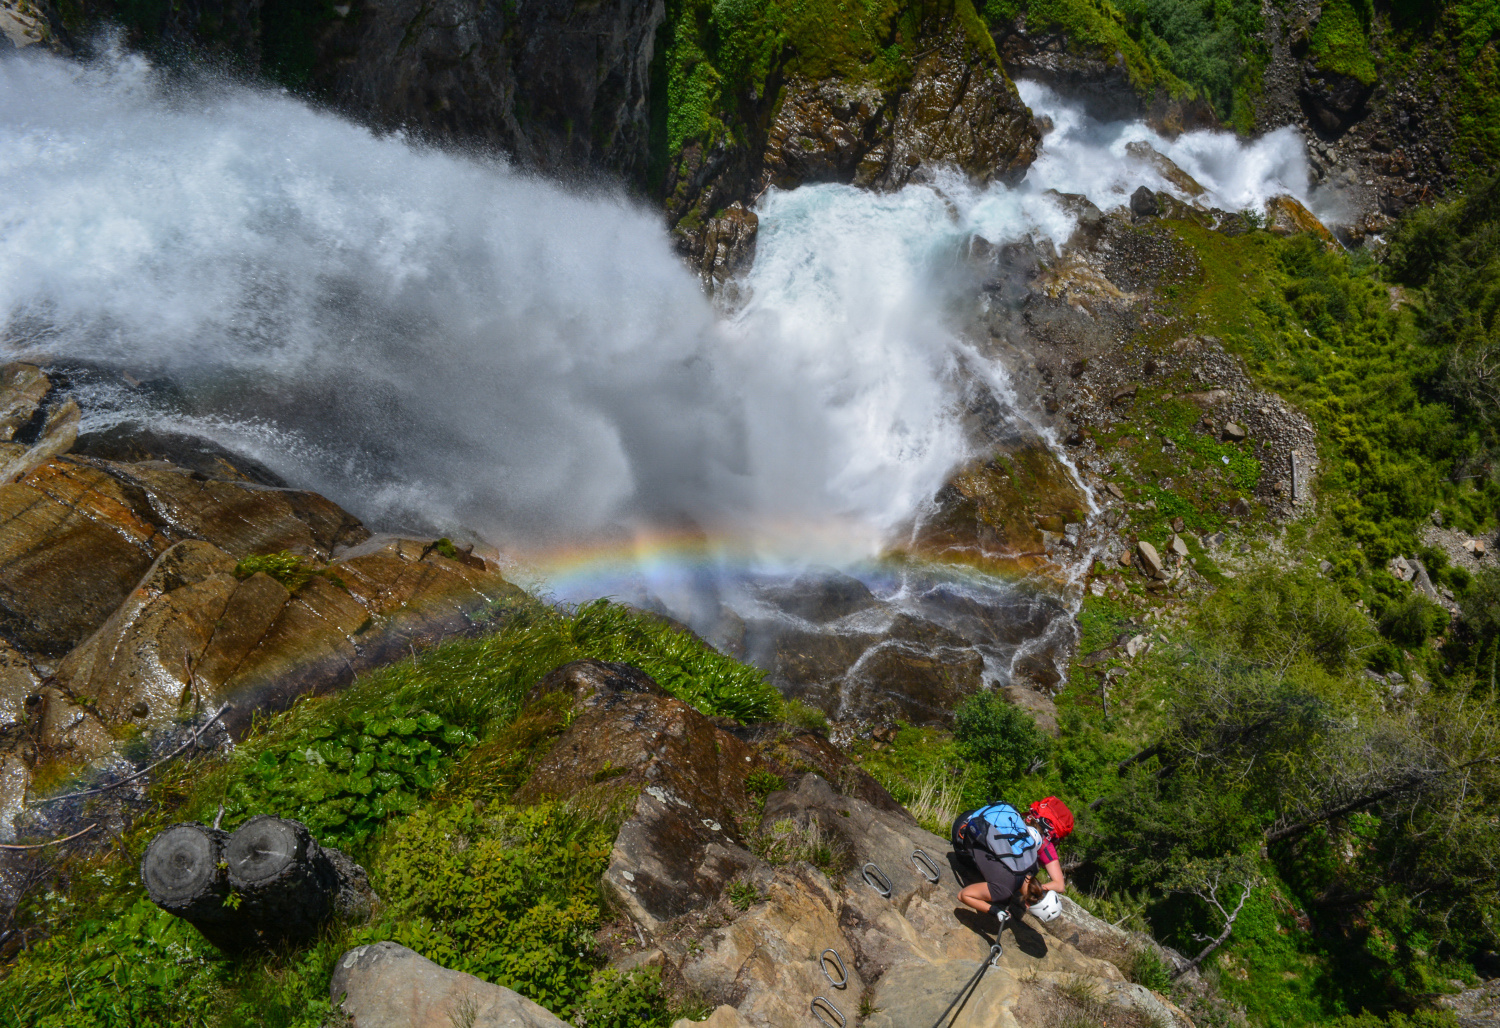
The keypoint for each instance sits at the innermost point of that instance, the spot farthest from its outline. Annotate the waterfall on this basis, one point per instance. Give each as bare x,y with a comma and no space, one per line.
443,343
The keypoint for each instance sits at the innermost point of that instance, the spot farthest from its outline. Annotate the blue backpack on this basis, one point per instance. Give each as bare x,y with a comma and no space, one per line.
1000,830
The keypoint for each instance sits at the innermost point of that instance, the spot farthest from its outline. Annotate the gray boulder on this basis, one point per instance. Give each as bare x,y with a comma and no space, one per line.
386,985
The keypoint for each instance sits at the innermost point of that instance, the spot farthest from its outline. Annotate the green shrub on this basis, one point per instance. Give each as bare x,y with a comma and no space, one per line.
507,895
806,716
344,779
743,895
761,783
1149,969
624,999
1414,621
1002,741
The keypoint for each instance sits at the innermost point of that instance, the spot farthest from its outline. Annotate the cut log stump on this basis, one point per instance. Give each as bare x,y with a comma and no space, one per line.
267,883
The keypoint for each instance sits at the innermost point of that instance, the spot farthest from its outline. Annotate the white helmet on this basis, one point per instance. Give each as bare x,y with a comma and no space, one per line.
1048,908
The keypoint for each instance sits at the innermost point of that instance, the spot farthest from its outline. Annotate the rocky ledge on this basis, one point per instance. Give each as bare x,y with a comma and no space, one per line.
131,596
746,873
958,109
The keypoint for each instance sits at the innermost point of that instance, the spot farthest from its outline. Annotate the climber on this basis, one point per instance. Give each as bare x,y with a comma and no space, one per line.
1007,847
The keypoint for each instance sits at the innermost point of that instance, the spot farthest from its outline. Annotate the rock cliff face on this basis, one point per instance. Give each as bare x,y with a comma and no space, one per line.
560,86
123,605
957,109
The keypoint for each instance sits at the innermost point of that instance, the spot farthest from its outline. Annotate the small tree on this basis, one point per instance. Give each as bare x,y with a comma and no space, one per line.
1215,883
1003,740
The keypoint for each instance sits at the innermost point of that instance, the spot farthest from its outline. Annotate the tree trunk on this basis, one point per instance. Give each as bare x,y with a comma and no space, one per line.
267,883
185,874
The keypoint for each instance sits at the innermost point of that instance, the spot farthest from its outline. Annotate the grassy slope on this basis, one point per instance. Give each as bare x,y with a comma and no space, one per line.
409,770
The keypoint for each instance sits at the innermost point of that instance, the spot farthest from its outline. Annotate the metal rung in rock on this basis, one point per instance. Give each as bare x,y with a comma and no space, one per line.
819,1005
843,981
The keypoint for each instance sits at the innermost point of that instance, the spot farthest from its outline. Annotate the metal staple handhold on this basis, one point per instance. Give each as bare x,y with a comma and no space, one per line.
843,981
877,879
831,1009
920,857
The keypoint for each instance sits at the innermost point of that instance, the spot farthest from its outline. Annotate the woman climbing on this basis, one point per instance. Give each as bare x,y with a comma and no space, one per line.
1006,847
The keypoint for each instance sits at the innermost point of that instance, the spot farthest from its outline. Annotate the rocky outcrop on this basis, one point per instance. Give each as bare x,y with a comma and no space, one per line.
77,534
1475,1008
795,866
1097,78
1005,512
1333,101
957,109
1286,216
193,628
825,639
124,607
386,985
562,87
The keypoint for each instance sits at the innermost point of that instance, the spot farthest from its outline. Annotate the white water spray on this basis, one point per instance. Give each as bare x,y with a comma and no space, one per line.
435,339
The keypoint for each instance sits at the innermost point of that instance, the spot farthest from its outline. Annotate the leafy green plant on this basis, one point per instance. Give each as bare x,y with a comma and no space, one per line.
760,783
1149,969
1002,741
624,999
743,895
805,716
346,778
1413,621
504,894
290,569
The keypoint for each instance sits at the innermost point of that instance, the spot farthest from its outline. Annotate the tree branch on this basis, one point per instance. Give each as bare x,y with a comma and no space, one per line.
44,845
1223,936
1281,834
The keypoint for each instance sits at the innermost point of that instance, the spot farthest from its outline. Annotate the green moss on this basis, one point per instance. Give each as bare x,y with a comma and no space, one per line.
1340,41
290,569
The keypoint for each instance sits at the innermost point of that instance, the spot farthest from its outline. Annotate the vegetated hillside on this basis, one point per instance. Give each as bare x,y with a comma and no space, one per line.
1317,730
1399,98
394,769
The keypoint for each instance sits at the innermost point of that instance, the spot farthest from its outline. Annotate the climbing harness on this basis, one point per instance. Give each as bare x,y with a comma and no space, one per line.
819,1005
877,879
962,998
843,981
930,871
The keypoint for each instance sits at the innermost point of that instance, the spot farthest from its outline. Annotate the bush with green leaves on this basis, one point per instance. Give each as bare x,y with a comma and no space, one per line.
1001,741
509,894
506,894
345,778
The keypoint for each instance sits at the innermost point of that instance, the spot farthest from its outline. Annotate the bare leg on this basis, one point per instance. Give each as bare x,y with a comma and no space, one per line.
976,897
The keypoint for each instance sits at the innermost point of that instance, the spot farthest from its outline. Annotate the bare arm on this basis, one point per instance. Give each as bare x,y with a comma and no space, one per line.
1055,873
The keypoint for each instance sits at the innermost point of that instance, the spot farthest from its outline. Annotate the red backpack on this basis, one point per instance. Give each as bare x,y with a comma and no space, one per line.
1056,814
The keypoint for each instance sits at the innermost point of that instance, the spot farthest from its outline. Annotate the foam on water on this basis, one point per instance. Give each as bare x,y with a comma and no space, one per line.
434,339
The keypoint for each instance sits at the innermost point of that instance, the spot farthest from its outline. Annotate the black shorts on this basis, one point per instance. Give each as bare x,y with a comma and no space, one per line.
1003,882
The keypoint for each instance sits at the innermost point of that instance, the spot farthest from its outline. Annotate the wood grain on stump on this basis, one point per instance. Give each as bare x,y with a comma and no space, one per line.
267,883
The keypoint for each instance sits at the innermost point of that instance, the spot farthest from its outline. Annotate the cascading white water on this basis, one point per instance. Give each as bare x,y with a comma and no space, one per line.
437,341
434,339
